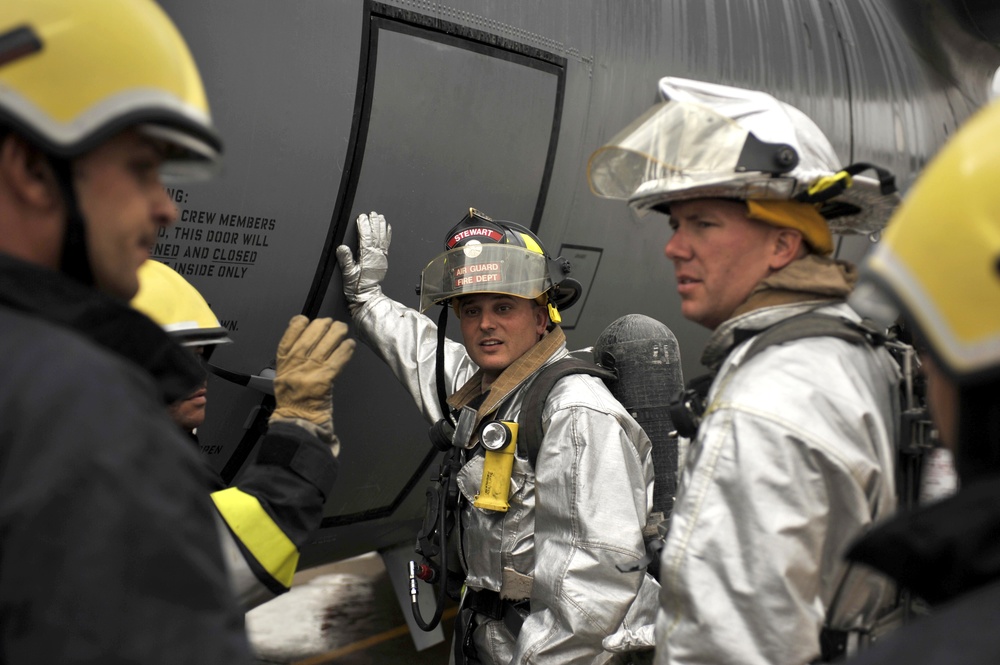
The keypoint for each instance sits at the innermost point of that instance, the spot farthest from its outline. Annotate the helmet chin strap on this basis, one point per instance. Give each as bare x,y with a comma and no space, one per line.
74,261
442,390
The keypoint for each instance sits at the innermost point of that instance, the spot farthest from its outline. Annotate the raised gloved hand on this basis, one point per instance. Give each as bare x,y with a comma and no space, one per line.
310,356
362,278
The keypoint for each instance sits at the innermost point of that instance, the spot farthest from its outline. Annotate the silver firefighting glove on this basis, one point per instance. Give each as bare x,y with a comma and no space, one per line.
310,356
630,640
362,278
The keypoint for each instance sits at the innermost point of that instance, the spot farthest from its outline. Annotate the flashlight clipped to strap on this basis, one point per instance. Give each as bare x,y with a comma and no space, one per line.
499,439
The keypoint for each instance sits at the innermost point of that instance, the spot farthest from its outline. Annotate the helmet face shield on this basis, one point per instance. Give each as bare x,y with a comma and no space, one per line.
484,268
674,145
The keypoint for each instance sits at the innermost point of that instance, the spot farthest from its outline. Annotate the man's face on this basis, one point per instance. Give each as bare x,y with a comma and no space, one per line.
719,256
189,412
499,329
124,205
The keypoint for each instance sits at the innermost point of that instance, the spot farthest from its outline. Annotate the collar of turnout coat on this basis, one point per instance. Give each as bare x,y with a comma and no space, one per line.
106,321
812,281
510,378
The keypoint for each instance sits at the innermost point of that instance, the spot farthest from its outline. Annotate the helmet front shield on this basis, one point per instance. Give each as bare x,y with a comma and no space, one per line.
673,140
688,147
484,268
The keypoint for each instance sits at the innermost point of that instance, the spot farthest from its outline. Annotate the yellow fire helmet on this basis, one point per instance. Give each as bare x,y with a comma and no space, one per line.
73,74
939,260
173,303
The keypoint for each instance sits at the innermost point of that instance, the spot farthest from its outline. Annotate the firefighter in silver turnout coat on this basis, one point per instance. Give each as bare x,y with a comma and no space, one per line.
791,462
573,517
794,456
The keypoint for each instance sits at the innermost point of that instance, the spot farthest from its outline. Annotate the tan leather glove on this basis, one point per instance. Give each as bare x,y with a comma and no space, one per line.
310,356
363,278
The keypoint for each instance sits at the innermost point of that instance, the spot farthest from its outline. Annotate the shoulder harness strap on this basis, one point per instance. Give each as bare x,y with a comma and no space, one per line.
530,425
812,324
688,409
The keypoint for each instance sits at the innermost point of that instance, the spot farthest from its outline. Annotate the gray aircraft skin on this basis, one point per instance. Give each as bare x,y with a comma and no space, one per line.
420,109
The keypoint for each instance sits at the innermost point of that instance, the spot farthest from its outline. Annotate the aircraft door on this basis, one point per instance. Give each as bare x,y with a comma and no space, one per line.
450,118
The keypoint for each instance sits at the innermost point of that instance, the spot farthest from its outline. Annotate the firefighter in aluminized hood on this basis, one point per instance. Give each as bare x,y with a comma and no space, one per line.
939,266
794,455
541,576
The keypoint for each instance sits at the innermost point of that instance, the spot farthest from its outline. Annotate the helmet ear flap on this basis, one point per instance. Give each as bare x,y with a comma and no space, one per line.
566,293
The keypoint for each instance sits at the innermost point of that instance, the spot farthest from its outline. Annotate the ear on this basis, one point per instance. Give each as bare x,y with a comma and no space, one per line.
28,174
788,245
541,319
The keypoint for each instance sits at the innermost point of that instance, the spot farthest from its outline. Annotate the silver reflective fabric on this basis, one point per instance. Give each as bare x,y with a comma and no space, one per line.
673,145
688,146
571,520
793,461
484,268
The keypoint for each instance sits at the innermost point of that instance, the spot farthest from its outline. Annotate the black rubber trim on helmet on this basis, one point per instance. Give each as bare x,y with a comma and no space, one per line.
773,158
886,183
17,43
442,392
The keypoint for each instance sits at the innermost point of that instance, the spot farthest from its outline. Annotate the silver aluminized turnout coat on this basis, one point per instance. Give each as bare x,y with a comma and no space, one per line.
793,460
574,517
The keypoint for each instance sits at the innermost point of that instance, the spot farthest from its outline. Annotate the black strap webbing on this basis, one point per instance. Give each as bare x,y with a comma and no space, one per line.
442,390
812,325
529,439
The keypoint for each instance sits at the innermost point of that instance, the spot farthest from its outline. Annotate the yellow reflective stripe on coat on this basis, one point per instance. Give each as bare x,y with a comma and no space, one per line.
258,533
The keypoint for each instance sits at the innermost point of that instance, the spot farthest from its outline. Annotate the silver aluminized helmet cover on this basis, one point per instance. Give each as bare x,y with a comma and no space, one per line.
689,146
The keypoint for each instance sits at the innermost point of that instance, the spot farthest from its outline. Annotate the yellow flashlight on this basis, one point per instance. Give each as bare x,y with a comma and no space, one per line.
499,438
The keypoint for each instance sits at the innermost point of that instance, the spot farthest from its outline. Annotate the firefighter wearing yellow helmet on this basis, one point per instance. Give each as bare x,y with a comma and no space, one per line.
278,502
539,543
795,449
72,81
110,548
173,302
938,266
